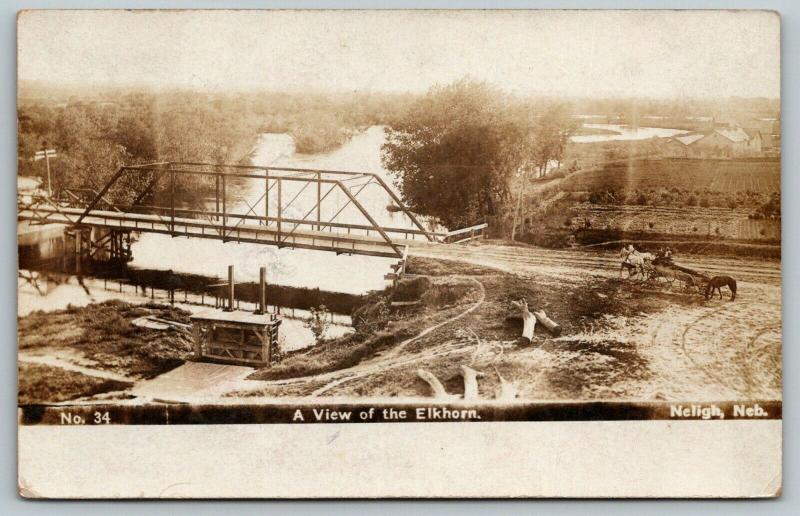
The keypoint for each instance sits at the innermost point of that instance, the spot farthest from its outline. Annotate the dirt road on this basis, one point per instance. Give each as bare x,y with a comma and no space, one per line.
518,259
715,350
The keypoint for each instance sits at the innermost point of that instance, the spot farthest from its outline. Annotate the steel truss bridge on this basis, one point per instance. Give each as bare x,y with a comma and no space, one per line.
297,208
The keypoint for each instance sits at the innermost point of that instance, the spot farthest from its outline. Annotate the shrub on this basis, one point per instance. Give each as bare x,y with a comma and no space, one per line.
371,317
410,289
691,201
704,202
446,292
319,322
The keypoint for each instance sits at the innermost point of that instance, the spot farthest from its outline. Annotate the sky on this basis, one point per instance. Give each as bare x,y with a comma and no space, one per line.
669,54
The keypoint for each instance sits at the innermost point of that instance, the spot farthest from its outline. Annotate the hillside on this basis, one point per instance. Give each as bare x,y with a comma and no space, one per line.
652,199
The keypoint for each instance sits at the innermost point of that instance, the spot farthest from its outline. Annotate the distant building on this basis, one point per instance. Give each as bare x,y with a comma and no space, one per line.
28,186
771,144
723,142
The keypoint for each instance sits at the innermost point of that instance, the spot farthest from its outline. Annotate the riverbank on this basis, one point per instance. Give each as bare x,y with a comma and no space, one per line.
620,338
104,335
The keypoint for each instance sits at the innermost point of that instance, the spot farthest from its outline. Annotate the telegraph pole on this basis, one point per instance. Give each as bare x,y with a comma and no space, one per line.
46,154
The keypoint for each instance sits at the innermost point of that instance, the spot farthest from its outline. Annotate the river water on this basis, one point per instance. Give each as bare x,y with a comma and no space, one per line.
292,267
195,263
624,132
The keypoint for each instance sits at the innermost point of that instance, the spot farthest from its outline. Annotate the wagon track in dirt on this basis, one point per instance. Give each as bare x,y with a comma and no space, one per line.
524,259
382,363
719,343
390,359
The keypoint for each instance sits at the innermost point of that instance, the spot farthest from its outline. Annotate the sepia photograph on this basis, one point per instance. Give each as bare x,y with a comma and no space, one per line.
295,217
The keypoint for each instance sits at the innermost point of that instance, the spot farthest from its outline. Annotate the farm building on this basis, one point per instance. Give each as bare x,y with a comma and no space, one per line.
725,142
771,144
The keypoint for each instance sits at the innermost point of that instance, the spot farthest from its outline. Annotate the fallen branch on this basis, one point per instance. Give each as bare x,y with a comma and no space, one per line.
470,382
528,319
436,386
552,326
508,391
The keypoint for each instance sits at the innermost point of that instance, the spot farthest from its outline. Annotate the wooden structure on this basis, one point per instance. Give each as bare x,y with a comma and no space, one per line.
236,337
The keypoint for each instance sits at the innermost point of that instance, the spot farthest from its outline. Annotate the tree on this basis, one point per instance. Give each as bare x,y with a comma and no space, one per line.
454,152
544,144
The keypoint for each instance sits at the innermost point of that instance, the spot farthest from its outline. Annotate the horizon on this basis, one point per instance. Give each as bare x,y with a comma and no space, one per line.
520,52
147,89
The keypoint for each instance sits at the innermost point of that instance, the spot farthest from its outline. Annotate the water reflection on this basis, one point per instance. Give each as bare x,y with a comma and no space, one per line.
52,286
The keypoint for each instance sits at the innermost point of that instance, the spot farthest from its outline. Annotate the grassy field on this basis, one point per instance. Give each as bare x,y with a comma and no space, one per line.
696,222
723,176
39,383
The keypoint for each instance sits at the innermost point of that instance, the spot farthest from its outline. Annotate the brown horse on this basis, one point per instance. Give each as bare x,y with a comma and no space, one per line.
717,282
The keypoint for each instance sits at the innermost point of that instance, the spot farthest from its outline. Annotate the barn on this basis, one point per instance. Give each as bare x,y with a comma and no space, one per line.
725,142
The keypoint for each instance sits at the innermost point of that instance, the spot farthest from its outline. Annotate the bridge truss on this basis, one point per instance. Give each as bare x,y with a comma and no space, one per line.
280,206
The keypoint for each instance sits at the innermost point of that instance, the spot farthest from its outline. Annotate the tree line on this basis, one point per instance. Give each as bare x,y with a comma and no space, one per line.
96,133
464,153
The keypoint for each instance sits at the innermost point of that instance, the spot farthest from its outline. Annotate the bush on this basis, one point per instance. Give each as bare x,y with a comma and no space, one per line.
691,201
410,289
371,317
446,292
704,202
319,322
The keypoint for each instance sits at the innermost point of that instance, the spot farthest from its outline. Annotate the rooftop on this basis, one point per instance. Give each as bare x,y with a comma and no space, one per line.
236,316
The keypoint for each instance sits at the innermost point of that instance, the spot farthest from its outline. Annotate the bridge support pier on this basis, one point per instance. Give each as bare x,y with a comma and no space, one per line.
100,244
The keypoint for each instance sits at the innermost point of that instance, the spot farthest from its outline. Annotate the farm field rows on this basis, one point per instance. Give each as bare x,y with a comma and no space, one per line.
694,221
722,176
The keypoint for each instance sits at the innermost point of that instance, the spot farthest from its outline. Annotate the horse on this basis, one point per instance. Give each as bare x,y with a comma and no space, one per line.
647,257
633,262
717,282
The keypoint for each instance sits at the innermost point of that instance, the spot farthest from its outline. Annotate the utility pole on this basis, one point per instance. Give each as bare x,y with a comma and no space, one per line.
46,154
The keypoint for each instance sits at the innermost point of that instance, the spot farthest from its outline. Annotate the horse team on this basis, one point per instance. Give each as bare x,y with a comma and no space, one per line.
649,265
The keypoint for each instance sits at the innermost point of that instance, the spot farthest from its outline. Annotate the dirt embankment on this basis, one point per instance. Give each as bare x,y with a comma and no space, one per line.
40,383
81,351
383,322
621,339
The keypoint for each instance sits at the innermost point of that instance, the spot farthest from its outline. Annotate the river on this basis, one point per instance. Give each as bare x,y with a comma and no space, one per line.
192,263
291,267
624,132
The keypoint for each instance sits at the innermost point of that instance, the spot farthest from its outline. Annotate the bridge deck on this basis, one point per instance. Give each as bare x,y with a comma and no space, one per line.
286,236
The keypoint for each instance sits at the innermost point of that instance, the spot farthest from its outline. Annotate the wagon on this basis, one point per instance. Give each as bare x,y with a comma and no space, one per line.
666,270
